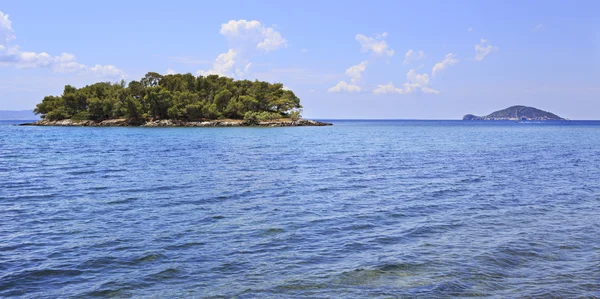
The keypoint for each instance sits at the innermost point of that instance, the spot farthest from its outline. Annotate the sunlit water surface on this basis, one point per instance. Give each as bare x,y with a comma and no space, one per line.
360,209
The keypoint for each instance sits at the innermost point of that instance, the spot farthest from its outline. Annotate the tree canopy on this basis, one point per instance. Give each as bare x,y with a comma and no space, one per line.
179,96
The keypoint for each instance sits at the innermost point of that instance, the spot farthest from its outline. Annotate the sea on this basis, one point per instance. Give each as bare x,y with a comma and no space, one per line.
360,209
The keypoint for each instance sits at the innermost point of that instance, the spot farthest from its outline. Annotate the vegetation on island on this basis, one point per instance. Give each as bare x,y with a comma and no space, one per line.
180,96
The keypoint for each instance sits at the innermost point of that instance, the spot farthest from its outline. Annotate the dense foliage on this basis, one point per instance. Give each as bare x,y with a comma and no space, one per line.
180,96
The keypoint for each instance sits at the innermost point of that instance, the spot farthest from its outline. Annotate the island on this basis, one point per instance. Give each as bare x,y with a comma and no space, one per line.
17,115
174,100
516,113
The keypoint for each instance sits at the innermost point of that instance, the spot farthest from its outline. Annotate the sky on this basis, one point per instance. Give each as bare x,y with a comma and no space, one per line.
343,59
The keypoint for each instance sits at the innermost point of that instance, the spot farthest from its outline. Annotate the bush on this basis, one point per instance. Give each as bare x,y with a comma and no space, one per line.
256,117
81,115
266,116
57,114
295,115
210,111
194,112
250,117
175,113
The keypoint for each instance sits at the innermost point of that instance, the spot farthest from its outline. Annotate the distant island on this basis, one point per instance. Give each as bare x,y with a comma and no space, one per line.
174,100
516,113
17,115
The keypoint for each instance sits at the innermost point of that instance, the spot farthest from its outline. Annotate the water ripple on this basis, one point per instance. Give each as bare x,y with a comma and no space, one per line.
384,209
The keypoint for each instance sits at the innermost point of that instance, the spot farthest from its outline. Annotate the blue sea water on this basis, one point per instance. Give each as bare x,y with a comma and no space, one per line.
389,209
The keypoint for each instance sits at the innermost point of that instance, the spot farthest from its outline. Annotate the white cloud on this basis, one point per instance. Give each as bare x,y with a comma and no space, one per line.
355,71
388,88
225,61
245,37
375,44
538,28
470,29
222,65
413,56
343,86
27,60
6,31
243,72
418,82
449,60
267,38
273,40
429,90
414,82
171,71
107,71
9,56
304,50
419,79
237,28
483,49
64,63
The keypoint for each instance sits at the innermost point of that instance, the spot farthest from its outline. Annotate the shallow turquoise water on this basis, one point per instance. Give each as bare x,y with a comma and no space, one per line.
360,209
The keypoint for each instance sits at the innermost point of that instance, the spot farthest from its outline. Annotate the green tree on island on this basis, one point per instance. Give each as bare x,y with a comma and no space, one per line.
180,96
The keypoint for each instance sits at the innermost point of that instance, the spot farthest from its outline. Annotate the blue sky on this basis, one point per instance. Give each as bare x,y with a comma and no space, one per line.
344,59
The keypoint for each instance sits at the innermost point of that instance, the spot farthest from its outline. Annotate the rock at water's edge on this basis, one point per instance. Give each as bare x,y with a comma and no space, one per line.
175,123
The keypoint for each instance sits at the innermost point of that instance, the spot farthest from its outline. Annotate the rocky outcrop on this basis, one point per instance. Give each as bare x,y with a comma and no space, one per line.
472,117
84,123
516,113
176,123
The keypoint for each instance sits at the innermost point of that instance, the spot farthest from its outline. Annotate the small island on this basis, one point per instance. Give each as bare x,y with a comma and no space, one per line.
517,113
179,100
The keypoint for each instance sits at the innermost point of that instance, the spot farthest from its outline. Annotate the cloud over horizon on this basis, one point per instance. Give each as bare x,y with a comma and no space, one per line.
414,82
64,63
343,86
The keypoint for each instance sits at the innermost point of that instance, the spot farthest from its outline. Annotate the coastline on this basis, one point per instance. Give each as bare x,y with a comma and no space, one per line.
176,123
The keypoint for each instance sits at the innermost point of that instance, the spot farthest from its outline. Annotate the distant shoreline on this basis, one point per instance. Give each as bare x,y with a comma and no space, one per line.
177,123
516,113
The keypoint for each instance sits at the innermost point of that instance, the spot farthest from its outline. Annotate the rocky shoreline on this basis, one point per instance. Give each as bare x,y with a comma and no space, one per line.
176,123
